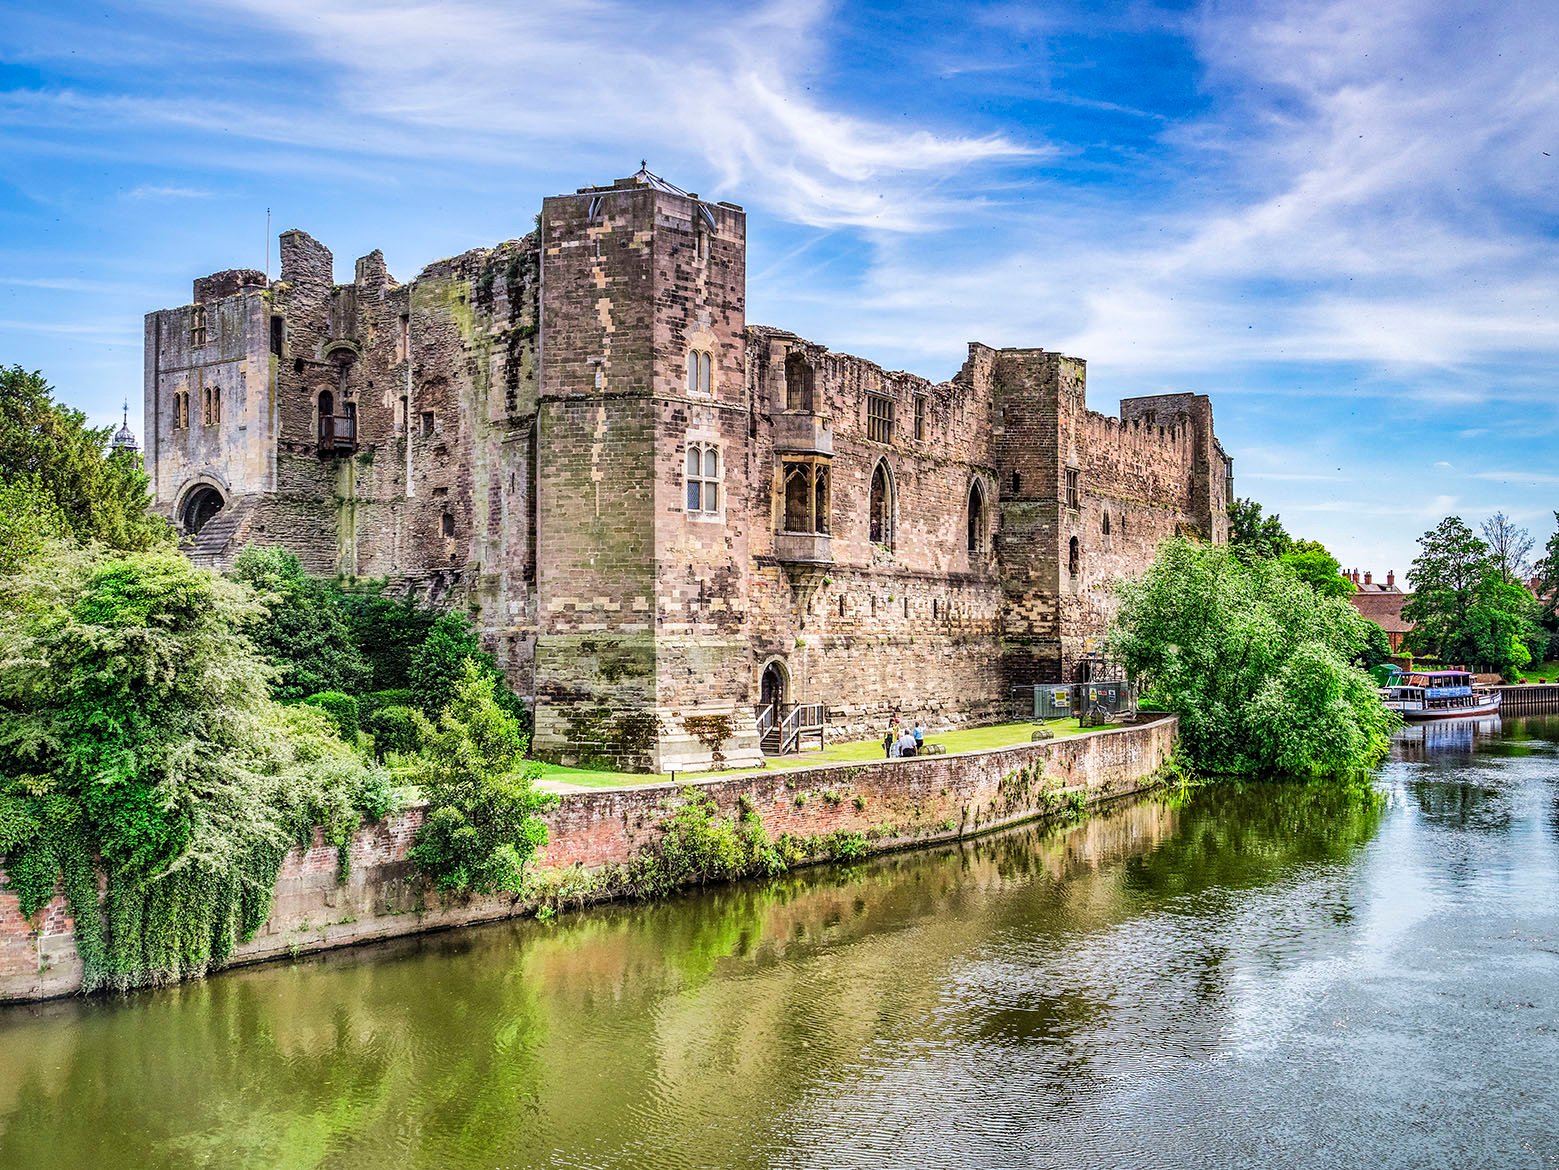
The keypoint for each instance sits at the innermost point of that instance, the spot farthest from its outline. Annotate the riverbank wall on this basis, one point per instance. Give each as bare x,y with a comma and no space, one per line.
1528,698
892,804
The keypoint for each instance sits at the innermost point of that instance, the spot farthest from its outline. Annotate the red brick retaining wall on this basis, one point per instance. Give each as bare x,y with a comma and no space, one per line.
903,803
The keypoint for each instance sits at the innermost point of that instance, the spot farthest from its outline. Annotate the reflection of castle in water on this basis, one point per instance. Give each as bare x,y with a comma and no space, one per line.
1418,741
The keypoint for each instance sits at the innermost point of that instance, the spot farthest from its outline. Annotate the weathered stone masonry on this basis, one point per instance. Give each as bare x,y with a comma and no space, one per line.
651,506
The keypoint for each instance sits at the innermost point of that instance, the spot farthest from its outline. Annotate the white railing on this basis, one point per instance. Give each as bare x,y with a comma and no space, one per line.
765,712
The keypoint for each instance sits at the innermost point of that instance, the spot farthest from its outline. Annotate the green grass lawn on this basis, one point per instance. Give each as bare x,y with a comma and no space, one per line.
1544,670
859,752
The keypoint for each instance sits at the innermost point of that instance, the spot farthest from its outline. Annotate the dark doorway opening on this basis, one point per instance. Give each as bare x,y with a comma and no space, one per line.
203,503
771,690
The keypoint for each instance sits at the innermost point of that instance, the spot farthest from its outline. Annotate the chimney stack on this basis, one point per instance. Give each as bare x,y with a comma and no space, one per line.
1367,577
1391,578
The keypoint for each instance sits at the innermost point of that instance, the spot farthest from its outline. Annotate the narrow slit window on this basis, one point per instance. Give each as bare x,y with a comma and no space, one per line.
920,417
1072,492
976,518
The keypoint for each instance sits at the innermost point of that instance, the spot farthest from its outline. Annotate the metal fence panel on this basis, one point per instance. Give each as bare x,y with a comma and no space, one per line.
1063,700
1052,700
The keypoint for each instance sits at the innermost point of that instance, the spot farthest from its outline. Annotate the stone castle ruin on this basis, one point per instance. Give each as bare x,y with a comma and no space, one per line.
683,536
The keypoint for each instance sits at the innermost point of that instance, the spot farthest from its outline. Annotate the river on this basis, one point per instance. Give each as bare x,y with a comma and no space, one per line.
1268,975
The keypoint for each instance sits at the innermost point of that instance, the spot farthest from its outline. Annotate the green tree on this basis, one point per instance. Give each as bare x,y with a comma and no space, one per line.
482,824
1509,546
48,451
1465,605
305,634
1257,664
1254,537
139,747
1376,648
388,632
28,521
439,663
1444,577
1547,571
1317,568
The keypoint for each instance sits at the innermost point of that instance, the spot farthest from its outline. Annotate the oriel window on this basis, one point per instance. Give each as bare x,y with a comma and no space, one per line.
806,496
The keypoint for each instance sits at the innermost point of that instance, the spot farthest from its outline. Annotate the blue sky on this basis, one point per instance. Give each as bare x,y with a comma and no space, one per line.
1337,219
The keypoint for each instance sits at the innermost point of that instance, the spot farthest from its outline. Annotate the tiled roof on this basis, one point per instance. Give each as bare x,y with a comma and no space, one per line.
1383,607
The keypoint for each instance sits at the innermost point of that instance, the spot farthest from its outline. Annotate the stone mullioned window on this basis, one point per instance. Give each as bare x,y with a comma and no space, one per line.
703,479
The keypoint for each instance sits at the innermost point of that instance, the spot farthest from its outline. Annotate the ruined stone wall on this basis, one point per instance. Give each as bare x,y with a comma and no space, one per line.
212,347
437,498
598,434
1114,486
1026,387
906,626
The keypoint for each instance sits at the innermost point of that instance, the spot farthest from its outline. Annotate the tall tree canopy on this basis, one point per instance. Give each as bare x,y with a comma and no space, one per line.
1465,608
1256,662
1510,546
1317,568
1253,536
61,471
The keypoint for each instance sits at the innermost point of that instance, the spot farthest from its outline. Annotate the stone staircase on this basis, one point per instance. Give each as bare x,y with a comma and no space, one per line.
214,546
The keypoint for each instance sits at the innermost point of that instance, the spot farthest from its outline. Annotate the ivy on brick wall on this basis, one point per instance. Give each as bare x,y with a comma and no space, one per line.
142,756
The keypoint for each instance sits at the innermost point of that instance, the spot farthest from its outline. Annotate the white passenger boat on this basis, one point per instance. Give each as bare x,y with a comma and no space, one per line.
1418,695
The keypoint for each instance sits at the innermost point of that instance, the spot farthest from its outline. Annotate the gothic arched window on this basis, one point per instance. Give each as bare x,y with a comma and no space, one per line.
976,517
882,506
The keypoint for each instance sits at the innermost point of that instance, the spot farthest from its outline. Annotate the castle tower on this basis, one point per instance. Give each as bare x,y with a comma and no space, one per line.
643,427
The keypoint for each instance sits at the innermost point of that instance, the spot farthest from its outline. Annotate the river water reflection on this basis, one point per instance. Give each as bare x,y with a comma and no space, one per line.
1275,975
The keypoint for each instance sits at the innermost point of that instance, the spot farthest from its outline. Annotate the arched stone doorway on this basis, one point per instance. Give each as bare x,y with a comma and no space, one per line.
202,503
774,686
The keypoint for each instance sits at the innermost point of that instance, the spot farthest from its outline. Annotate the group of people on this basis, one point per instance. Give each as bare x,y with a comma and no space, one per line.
903,739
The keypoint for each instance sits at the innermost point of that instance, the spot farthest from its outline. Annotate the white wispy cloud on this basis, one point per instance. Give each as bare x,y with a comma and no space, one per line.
1379,196
723,83
166,191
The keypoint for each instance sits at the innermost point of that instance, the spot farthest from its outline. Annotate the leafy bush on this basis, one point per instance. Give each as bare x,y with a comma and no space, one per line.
481,827
139,748
375,700
439,664
698,846
398,730
1255,662
305,634
342,710
387,632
